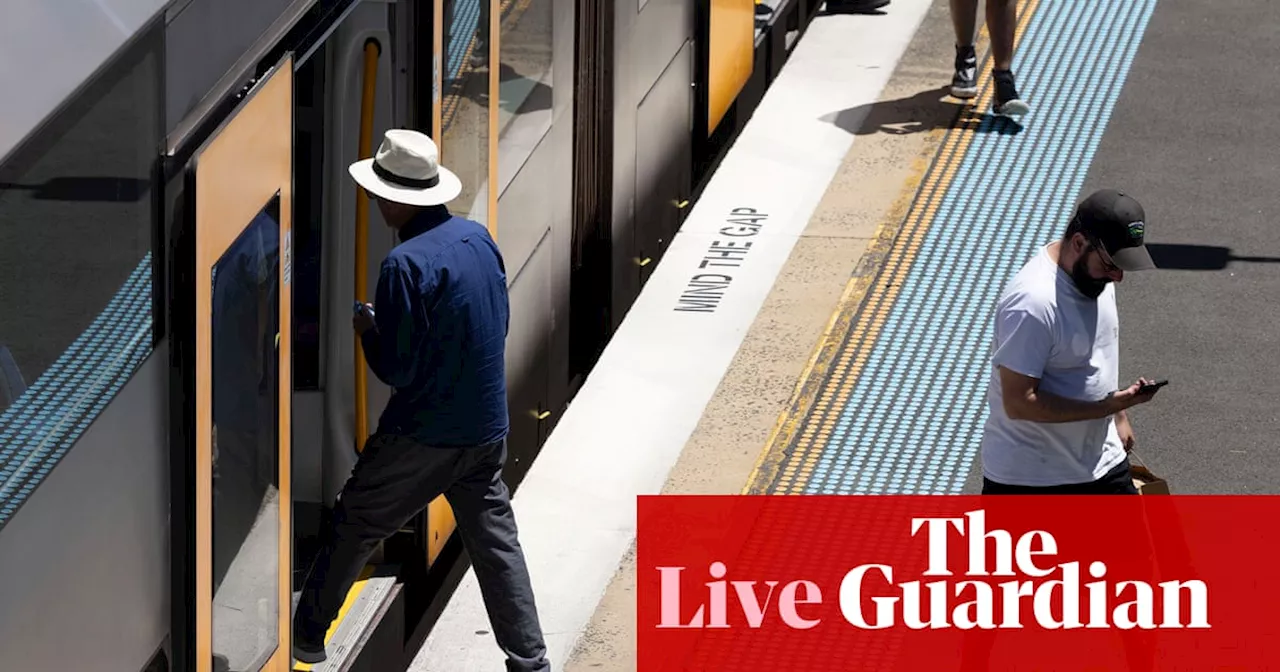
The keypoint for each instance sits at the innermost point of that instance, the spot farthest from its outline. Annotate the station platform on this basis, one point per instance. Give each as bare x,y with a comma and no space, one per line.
821,324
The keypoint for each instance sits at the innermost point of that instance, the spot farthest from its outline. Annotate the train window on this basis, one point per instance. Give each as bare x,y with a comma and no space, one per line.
524,108
464,113
245,414
75,259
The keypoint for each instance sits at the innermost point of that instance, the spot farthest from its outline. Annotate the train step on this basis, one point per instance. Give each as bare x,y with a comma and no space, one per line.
369,627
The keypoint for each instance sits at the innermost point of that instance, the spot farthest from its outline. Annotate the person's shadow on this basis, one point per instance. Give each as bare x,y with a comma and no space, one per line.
834,7
537,95
924,111
1186,257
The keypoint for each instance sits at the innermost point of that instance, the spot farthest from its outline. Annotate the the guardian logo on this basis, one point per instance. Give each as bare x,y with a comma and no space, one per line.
955,601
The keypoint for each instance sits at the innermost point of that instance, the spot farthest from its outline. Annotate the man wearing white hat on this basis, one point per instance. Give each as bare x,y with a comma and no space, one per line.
438,337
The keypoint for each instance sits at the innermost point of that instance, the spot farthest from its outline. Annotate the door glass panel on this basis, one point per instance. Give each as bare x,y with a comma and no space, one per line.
524,97
464,114
246,508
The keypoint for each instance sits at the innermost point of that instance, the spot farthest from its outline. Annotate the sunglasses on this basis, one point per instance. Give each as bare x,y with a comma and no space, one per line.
1107,265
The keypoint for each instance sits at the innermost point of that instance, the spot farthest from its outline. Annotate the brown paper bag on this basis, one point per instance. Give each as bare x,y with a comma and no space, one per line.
1146,482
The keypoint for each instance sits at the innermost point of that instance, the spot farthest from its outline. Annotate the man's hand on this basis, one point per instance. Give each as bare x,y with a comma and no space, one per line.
1131,396
1126,431
362,321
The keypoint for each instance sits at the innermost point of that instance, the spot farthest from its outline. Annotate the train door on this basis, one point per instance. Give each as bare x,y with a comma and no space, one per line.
238,191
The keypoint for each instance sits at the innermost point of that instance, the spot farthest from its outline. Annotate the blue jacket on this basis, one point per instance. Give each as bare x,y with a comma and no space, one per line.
442,316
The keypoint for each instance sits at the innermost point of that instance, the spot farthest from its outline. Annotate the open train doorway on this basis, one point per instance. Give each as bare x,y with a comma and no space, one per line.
274,242
308,160
361,78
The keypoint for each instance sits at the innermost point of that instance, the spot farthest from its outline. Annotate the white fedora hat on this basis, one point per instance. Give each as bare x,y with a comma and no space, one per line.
407,170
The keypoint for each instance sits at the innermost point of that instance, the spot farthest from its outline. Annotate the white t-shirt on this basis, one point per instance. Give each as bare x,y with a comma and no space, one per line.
1045,328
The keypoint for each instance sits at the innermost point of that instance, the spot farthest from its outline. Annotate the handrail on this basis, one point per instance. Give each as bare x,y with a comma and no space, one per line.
372,50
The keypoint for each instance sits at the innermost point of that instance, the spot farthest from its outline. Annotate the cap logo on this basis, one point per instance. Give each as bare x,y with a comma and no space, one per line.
1136,229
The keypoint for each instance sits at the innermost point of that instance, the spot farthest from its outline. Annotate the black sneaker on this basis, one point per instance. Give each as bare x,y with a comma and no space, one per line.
1007,103
964,84
307,649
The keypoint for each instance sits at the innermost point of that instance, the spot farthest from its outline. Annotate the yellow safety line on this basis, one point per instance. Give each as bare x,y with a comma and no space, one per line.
822,362
352,596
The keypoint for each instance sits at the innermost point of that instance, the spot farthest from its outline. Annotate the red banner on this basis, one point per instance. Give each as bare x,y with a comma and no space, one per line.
957,583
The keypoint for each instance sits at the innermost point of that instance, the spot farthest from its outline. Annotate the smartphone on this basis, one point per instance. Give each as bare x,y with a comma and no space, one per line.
1152,387
359,308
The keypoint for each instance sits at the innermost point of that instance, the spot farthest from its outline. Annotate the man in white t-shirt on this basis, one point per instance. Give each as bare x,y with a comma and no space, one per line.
1057,421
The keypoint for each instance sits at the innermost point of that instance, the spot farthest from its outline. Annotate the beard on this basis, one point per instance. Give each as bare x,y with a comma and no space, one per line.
1089,286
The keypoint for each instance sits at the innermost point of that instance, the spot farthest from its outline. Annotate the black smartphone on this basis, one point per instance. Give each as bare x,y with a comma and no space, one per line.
1152,387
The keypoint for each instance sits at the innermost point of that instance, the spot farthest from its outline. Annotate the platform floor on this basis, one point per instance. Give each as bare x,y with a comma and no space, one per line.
861,364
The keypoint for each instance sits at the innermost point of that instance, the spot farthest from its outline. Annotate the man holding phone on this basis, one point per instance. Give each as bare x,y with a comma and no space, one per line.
1058,422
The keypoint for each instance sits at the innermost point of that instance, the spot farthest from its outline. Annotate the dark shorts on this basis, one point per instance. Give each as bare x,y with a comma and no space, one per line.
1118,481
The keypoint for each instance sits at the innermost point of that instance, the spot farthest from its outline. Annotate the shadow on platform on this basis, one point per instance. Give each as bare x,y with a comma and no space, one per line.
833,9
922,112
1179,257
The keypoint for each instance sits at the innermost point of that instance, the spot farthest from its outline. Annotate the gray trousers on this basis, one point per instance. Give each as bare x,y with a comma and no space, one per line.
394,479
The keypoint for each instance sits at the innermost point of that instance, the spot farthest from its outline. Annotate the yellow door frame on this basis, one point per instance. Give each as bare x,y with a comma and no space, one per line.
246,163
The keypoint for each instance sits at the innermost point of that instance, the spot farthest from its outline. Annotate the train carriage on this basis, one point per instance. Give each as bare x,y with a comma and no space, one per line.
181,396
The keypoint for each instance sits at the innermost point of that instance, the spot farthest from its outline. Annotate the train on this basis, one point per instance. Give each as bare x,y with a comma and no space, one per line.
181,395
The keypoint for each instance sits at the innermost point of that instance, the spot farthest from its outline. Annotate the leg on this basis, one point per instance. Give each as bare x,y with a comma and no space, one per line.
1002,22
480,49
964,17
482,506
393,480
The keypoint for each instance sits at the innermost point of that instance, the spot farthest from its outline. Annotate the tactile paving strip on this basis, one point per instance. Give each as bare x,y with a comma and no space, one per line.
903,407
754,552
46,420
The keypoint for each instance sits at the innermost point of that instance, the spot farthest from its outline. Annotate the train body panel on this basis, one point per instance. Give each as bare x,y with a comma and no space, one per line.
86,563
578,134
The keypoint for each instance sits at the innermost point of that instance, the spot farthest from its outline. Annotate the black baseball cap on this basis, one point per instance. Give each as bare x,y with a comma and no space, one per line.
1119,223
